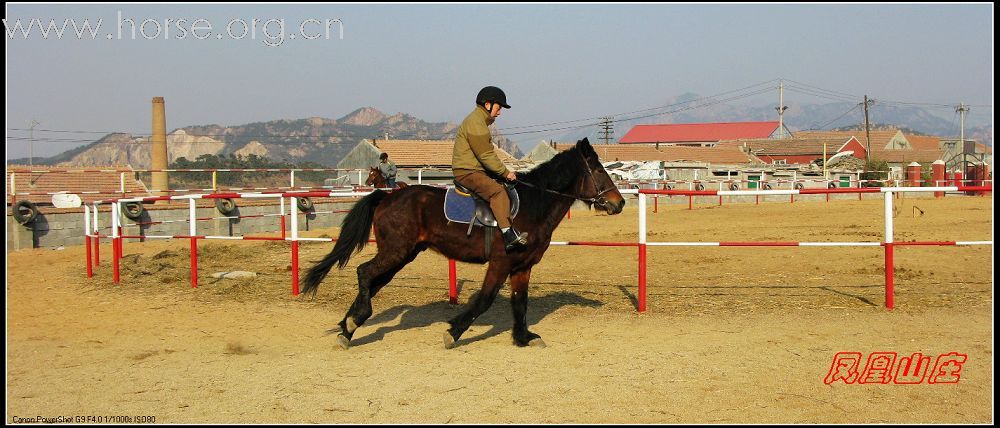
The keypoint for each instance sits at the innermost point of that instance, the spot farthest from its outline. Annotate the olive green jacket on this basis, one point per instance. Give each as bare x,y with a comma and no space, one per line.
473,148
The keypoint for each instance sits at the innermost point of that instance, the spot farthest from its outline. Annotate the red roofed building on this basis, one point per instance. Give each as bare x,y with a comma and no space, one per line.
700,134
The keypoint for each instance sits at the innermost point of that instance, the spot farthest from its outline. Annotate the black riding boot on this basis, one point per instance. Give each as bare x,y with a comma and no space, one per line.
514,241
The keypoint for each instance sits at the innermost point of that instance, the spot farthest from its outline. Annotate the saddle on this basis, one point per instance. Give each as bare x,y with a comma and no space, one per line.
461,205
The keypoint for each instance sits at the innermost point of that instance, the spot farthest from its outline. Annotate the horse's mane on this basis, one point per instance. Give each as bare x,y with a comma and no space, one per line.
559,172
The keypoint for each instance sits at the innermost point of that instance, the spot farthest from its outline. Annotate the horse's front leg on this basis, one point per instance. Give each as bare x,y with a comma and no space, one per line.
519,304
496,274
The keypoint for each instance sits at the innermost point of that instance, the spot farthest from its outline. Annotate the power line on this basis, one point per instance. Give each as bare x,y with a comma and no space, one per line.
289,137
856,106
799,87
133,142
649,115
814,90
810,92
835,94
373,135
244,136
852,96
69,131
699,106
928,105
642,110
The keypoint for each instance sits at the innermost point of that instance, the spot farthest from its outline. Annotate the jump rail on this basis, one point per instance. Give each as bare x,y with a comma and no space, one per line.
888,242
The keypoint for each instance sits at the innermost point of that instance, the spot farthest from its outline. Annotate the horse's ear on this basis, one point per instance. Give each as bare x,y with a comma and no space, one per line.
584,146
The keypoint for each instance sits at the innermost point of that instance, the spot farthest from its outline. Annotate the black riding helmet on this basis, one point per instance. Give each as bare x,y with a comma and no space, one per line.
383,156
492,94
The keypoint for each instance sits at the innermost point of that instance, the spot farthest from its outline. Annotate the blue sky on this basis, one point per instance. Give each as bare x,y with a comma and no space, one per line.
556,62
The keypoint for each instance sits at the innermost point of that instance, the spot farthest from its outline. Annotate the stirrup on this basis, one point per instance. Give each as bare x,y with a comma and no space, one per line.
514,240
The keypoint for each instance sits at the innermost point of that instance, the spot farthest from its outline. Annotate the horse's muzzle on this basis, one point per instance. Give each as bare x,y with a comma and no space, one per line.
610,207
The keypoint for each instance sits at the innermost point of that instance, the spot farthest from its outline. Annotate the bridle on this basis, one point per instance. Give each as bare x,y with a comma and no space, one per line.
373,175
598,197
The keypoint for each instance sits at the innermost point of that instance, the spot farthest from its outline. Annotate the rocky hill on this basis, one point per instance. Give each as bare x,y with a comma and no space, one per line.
316,139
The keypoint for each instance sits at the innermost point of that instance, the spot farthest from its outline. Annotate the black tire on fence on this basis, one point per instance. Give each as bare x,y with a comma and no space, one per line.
767,186
734,186
25,212
668,187
226,206
133,210
699,186
799,186
831,186
305,204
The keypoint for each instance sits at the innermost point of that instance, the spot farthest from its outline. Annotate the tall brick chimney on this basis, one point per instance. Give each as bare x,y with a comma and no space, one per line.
159,148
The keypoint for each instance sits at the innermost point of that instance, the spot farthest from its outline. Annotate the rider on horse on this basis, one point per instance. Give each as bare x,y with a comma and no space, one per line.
388,170
473,158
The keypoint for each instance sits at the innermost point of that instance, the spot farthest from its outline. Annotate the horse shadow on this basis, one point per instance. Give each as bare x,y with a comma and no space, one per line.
498,317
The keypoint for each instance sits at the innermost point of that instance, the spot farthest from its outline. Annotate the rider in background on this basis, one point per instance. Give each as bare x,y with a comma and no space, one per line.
388,169
473,159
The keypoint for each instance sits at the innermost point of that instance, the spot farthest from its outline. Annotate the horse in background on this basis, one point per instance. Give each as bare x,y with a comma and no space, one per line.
378,181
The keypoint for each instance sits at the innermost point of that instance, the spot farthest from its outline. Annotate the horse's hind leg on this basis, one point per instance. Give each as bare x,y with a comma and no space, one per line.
495,276
372,276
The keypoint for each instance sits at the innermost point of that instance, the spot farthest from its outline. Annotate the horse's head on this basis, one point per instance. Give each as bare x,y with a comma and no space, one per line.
606,195
374,174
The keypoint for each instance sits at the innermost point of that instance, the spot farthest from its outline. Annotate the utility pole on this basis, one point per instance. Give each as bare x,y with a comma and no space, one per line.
608,129
961,133
781,109
868,136
31,143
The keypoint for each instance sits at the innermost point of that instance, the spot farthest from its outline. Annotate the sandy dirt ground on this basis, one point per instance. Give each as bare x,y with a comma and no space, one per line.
732,334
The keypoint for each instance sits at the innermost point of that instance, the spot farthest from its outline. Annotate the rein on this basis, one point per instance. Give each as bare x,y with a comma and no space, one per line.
598,196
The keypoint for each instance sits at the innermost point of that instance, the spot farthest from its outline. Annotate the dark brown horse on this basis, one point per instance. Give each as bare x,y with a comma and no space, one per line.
378,181
412,220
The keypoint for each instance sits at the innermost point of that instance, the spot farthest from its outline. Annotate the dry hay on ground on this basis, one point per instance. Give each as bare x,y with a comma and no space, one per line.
732,334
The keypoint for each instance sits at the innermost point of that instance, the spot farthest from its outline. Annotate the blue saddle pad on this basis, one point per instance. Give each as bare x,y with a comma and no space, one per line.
461,207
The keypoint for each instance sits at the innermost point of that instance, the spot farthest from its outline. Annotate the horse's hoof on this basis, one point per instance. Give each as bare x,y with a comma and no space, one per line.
536,343
449,342
343,341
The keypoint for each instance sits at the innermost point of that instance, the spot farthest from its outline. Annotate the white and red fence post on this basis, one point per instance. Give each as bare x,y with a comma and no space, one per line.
889,264
293,204
641,298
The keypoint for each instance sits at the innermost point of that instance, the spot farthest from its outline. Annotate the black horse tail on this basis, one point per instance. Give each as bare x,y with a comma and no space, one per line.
354,234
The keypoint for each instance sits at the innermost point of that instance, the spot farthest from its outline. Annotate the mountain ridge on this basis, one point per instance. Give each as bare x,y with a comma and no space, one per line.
325,141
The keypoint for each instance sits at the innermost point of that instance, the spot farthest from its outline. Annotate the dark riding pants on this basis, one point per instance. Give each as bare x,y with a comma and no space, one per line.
488,189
